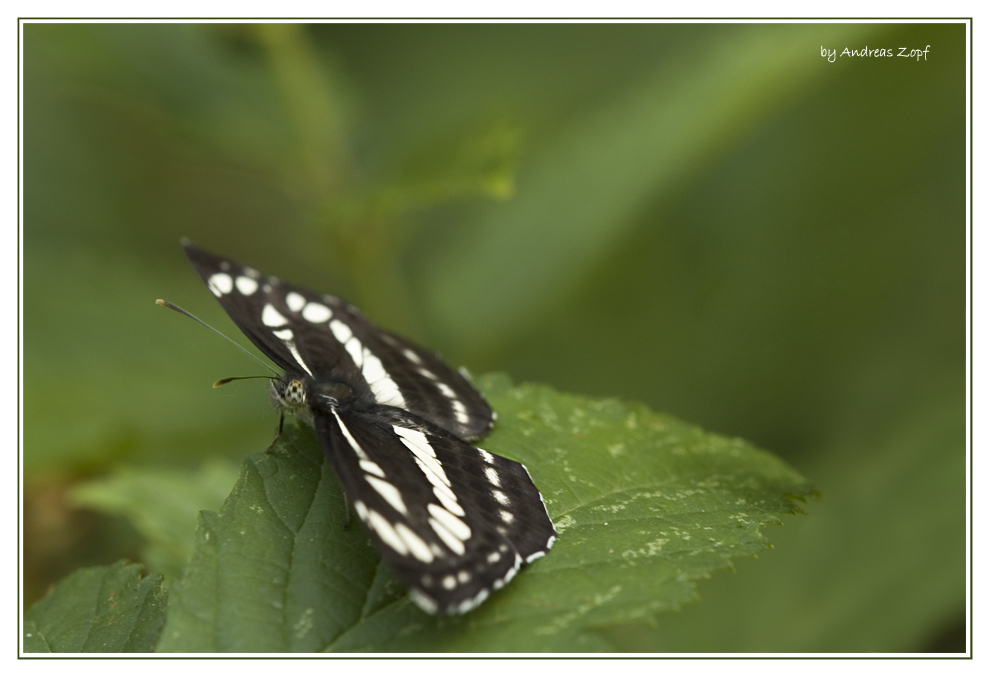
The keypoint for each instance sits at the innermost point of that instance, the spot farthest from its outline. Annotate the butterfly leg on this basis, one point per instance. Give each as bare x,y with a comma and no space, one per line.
278,432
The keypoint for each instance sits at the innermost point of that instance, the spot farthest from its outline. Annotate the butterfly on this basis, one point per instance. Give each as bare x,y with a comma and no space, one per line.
453,521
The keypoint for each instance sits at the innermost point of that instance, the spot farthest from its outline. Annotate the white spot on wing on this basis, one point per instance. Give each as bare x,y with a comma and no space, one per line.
295,353
430,475
286,336
452,541
316,312
448,499
350,438
271,317
220,284
387,533
341,331
486,457
456,526
422,601
438,486
295,301
469,604
246,285
449,582
426,459
372,468
501,498
414,439
429,462
413,357
356,351
535,555
417,546
385,389
493,477
388,492
460,412
510,574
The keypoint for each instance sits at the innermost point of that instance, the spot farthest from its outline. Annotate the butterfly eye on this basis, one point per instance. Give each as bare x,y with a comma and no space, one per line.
295,393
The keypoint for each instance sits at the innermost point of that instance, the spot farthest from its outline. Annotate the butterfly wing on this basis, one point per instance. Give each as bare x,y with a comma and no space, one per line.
308,333
430,388
454,522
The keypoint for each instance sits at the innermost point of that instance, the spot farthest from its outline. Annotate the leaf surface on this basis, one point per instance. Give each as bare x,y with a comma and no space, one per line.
644,505
103,609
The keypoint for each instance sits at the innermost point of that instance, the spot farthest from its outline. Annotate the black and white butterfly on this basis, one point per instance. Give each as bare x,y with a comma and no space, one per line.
453,521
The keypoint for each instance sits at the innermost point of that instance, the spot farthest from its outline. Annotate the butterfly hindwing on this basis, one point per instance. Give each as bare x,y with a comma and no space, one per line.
453,521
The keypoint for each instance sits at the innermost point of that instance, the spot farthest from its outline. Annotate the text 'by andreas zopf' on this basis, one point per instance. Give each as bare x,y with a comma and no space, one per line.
915,53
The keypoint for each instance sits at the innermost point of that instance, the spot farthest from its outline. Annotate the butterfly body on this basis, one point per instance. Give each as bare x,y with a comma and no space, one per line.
454,522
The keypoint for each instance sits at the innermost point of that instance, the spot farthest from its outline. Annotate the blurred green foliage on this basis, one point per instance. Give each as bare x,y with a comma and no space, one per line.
710,219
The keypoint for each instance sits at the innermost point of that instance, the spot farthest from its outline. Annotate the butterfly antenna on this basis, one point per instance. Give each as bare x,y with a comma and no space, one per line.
225,381
219,383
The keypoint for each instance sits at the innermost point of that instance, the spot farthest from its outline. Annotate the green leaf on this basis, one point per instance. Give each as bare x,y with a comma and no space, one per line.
644,505
274,570
163,504
101,609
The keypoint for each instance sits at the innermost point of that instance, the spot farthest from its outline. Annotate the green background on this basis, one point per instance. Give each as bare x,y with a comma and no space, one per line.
711,219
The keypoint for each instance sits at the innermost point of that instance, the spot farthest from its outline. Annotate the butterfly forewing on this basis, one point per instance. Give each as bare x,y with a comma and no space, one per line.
453,521
320,335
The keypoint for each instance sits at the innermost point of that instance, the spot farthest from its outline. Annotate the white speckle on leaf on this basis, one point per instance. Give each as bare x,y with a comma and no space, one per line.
563,621
651,549
304,624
